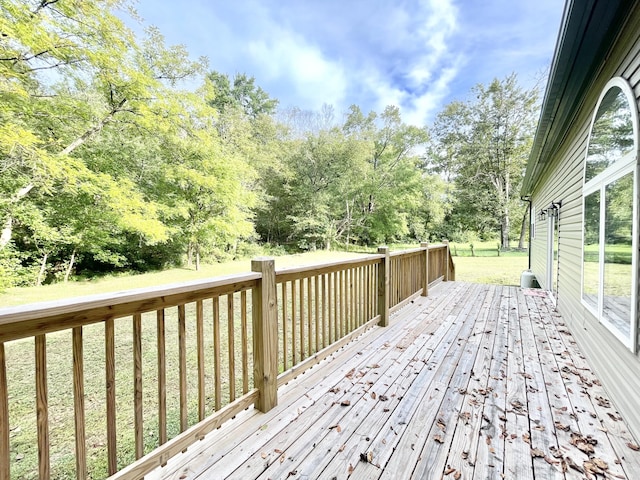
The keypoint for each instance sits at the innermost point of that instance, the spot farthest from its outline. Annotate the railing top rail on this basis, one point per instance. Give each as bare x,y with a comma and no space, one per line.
287,274
409,251
38,318
437,246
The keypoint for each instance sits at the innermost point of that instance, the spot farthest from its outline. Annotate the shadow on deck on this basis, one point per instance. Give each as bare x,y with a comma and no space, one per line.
474,381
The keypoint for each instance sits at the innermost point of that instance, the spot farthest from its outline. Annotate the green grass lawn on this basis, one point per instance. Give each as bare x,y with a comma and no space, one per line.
115,283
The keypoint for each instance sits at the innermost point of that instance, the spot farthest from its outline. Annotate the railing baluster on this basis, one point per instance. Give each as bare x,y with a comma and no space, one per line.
352,300
110,371
42,407
309,316
5,471
78,404
217,369
342,310
285,321
231,347
333,306
200,354
294,324
316,288
245,342
325,334
182,365
137,385
162,378
302,320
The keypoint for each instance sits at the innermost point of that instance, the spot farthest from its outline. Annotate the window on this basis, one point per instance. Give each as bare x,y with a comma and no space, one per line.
610,212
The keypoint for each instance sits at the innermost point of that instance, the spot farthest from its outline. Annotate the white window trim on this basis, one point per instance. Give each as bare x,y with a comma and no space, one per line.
628,163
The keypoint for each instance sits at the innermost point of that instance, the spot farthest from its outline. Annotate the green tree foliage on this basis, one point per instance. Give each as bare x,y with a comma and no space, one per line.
482,146
359,182
94,130
123,153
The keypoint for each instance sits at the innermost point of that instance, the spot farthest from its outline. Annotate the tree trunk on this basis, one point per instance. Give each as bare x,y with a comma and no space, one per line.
523,229
505,211
70,266
93,130
197,257
7,229
504,227
189,254
43,268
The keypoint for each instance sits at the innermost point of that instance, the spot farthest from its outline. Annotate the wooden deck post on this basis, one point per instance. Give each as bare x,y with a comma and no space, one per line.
265,334
425,278
446,261
383,287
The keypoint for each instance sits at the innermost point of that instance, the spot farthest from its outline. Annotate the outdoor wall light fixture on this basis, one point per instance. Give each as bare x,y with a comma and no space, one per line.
542,214
554,208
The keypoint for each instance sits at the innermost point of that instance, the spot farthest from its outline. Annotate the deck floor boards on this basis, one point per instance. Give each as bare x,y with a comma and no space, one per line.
474,381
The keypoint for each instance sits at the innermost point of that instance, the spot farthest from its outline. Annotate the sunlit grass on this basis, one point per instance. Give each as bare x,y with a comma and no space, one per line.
115,283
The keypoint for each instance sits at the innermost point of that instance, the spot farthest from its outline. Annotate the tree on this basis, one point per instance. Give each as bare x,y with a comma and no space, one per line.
482,145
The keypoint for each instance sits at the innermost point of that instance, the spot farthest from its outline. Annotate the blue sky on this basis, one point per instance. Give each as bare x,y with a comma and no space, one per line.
416,54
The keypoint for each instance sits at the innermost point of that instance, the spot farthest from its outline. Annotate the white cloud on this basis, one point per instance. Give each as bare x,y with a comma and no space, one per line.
416,54
287,59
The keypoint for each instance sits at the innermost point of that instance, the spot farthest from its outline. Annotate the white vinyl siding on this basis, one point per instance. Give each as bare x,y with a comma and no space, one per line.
618,367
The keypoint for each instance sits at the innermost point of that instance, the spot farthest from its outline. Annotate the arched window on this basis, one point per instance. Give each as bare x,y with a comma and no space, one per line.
610,226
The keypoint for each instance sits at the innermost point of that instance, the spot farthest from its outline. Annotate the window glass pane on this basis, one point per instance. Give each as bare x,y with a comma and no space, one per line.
618,252
612,134
591,252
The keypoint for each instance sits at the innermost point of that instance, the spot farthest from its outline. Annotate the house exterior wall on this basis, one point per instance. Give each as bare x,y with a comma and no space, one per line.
616,365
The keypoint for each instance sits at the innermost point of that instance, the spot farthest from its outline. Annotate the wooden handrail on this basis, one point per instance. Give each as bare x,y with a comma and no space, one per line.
292,319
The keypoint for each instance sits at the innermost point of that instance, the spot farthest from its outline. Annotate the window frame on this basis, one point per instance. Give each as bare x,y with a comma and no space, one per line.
623,166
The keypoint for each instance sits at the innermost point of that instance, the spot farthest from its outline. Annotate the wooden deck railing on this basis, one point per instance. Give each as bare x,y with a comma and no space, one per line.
151,371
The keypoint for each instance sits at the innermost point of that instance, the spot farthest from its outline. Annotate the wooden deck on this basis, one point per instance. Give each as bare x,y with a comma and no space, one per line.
474,381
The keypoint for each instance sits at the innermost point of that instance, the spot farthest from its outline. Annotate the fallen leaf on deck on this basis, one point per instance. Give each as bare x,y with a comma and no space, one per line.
282,458
264,455
457,475
350,469
342,447
600,463
633,446
562,426
438,438
345,403
449,471
536,452
373,395
264,427
383,398
366,457
277,450
573,465
441,425
526,437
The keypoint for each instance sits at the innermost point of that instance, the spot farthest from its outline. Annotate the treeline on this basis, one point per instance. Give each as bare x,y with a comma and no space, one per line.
125,154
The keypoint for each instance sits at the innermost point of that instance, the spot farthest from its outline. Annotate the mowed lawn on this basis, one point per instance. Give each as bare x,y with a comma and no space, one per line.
503,270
